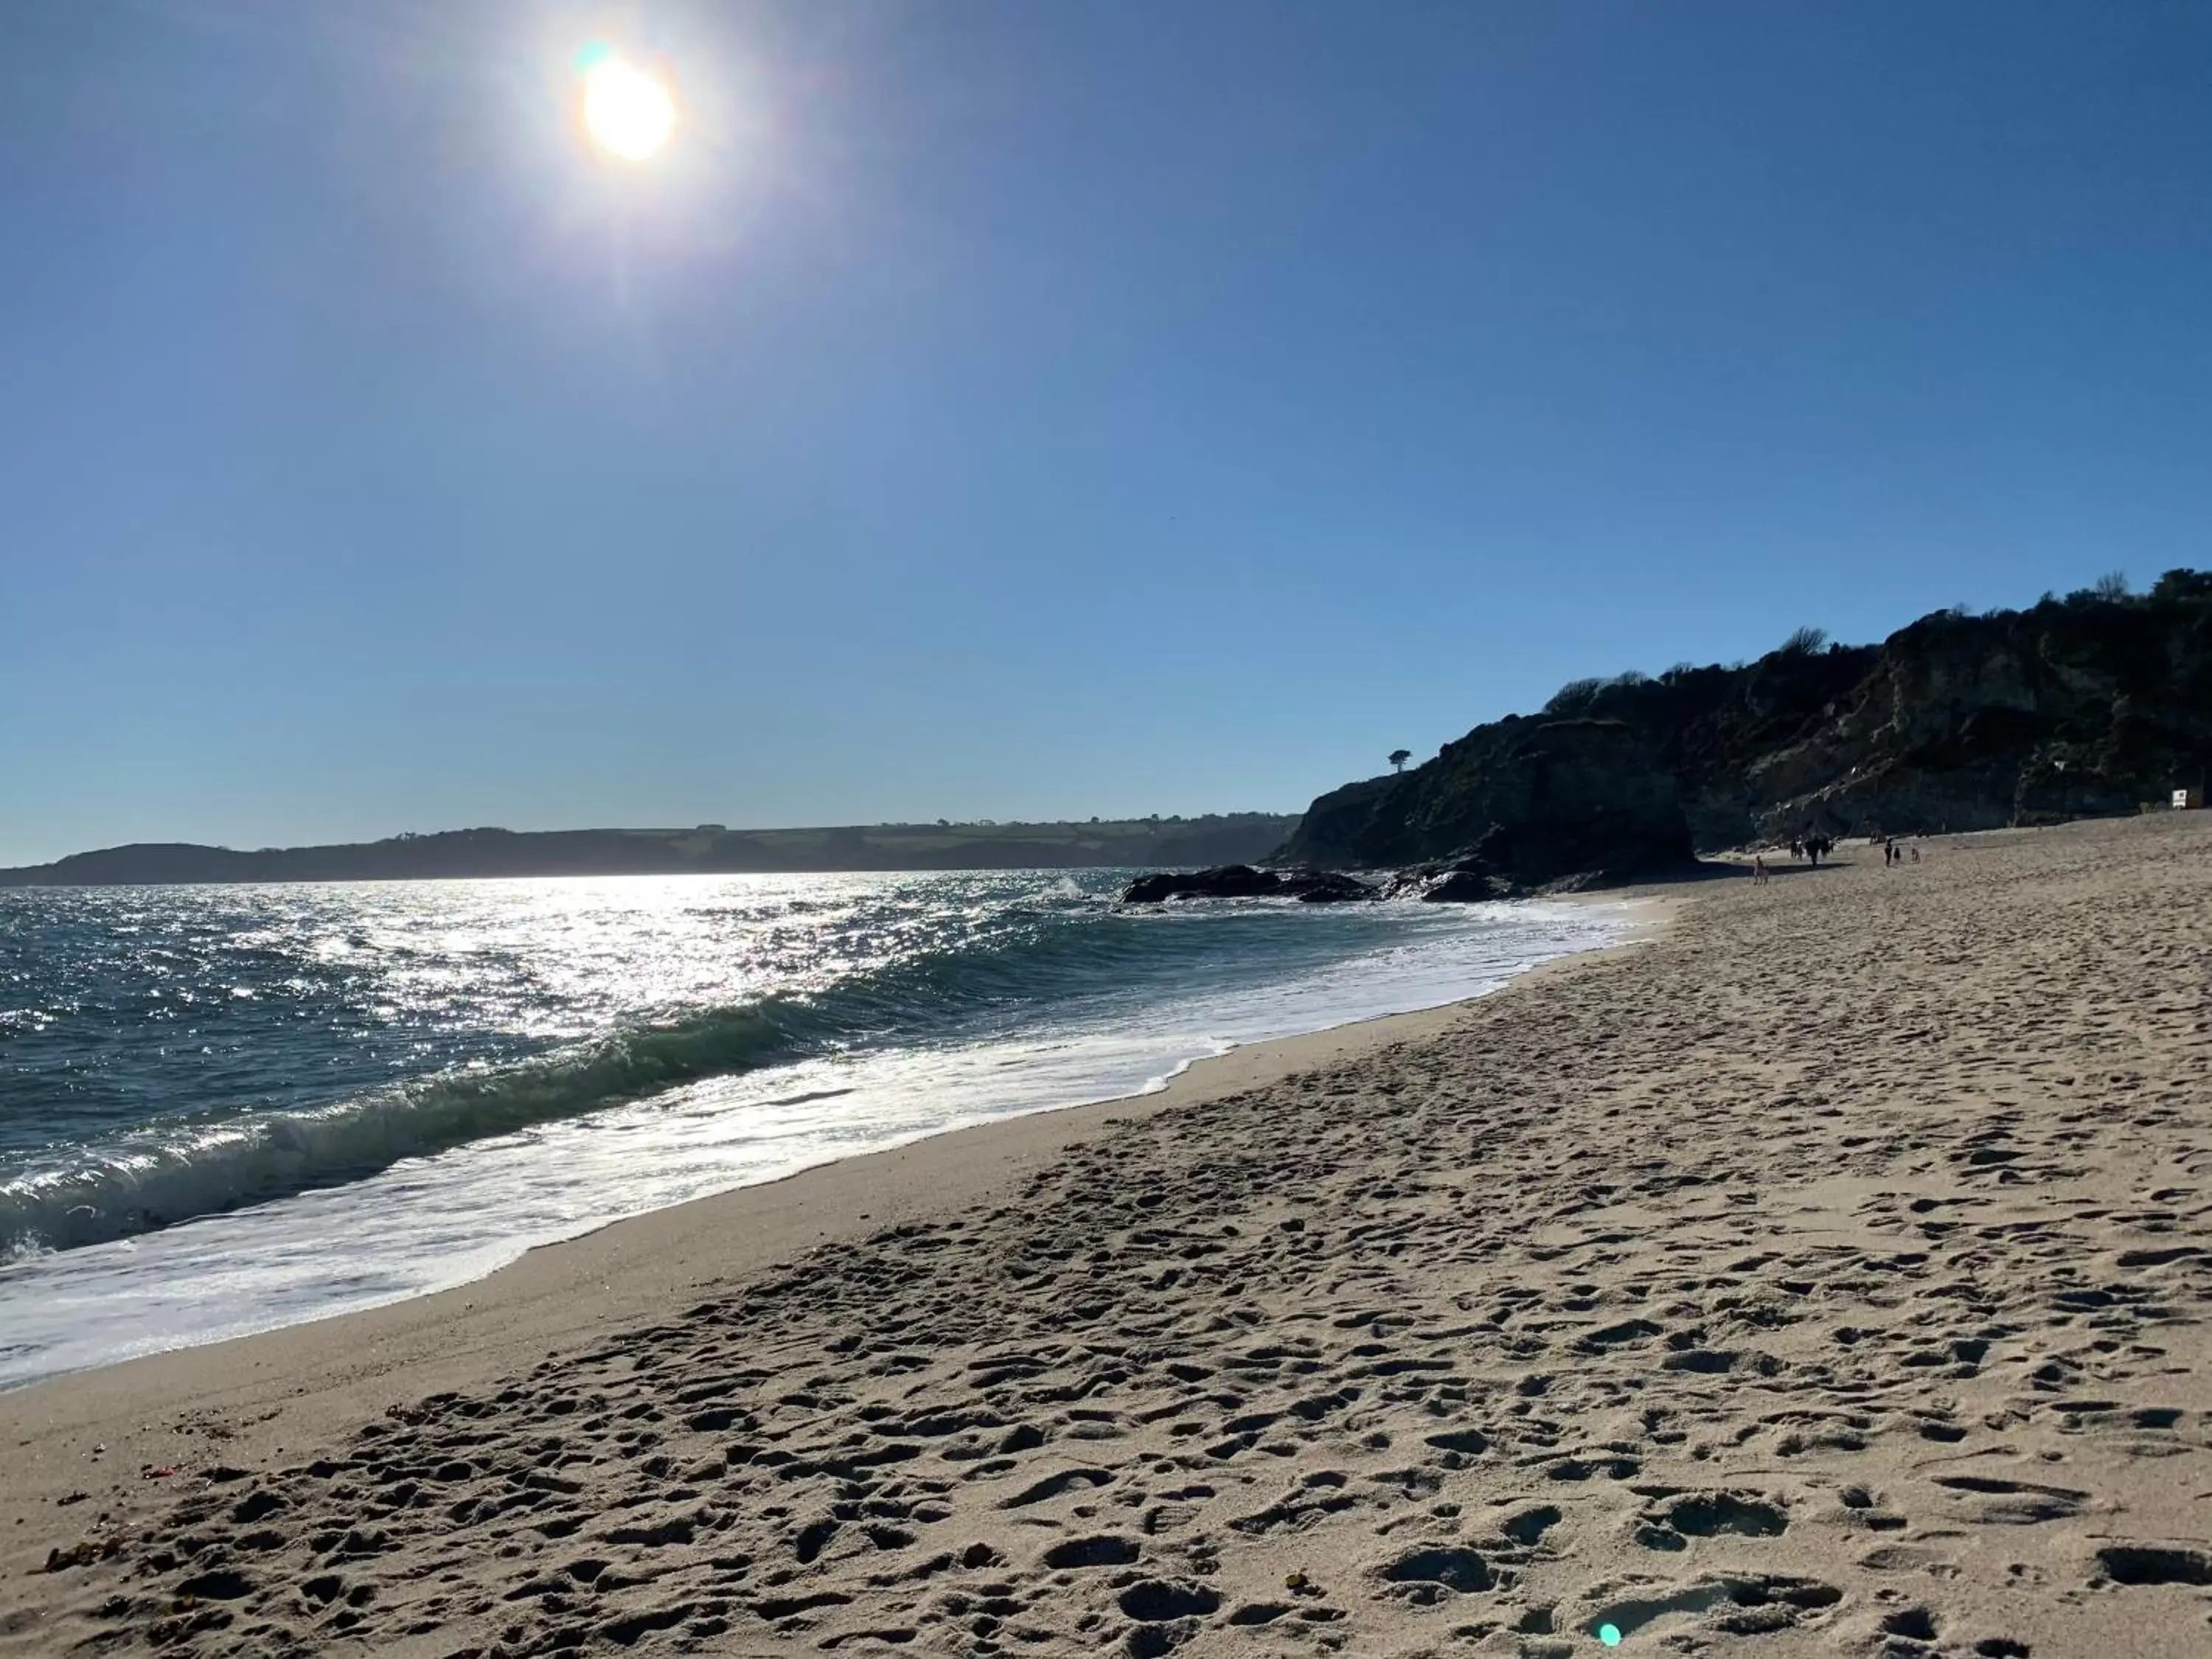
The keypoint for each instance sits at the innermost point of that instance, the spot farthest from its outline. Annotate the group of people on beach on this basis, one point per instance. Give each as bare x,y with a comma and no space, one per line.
1814,845
1811,845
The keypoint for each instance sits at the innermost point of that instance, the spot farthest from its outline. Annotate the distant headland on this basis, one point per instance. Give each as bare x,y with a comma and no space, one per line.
706,848
2094,705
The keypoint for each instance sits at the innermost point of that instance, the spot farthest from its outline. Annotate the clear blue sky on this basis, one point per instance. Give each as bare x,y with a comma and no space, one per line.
1029,410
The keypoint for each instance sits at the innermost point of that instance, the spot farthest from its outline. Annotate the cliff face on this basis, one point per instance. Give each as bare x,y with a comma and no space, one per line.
2075,707
2068,710
1529,801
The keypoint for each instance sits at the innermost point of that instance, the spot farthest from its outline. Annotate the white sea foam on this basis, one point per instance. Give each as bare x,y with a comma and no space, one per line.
426,1223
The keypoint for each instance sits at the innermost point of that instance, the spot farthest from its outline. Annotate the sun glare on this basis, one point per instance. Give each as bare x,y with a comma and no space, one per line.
627,113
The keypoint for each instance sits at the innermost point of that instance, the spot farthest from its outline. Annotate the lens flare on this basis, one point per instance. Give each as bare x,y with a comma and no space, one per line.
627,113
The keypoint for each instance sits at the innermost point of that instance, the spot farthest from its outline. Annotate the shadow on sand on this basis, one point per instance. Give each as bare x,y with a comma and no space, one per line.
1724,870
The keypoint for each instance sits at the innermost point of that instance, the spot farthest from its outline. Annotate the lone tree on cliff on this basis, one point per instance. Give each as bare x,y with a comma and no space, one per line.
1399,757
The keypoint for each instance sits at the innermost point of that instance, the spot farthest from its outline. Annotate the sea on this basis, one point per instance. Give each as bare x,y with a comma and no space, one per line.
226,1108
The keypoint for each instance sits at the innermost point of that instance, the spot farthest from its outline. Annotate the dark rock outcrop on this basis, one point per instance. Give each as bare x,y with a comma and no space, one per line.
1465,883
1515,806
1470,880
1325,887
1243,881
2085,705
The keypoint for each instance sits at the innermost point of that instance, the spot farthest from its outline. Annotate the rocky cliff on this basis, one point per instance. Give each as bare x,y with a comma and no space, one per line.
2084,706
1521,802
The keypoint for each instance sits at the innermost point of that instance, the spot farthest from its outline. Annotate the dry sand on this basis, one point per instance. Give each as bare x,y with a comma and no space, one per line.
1828,1276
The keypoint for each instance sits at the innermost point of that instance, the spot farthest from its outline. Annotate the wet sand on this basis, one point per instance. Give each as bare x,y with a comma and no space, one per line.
1826,1275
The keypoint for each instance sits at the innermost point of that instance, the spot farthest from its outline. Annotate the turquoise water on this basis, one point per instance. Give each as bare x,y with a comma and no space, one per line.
227,1108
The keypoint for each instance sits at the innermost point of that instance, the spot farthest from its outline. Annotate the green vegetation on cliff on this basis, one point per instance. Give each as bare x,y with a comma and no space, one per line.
2082,707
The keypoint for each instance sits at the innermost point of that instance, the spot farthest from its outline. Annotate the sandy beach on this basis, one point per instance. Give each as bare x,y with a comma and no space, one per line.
1826,1274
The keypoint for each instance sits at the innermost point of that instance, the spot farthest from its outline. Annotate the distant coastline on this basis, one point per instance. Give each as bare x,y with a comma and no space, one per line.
706,849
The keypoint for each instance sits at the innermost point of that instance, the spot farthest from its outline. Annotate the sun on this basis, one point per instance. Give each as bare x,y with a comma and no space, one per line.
627,113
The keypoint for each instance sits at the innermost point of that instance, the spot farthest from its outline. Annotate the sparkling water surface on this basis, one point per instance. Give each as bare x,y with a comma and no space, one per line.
223,1109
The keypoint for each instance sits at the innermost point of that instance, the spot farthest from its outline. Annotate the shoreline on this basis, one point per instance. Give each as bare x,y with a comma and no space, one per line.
624,1263
363,1275
1824,1273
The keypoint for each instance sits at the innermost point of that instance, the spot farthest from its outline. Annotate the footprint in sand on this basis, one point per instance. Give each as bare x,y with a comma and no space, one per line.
1715,1605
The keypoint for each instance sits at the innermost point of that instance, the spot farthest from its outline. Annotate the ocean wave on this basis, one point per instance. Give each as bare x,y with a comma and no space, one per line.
164,1175
168,1172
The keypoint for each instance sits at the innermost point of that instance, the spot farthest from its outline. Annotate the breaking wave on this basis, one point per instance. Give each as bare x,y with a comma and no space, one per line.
171,1171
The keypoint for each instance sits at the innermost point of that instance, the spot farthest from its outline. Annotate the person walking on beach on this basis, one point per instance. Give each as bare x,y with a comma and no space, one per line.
1758,870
